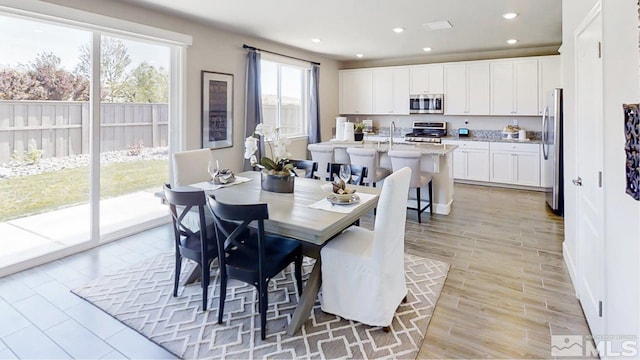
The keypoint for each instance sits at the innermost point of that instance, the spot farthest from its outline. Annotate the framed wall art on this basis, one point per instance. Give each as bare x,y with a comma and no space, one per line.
217,110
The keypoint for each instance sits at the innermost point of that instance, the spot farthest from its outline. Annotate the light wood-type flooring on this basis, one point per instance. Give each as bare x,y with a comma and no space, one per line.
506,292
508,289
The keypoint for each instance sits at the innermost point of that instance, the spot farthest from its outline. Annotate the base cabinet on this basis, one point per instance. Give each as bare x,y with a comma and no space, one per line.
517,164
471,160
503,163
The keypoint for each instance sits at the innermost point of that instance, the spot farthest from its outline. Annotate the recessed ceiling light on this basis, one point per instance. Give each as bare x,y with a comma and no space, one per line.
359,55
315,40
512,41
38,31
510,16
398,30
427,49
438,25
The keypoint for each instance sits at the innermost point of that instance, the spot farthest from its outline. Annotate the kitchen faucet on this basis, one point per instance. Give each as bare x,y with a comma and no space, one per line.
392,128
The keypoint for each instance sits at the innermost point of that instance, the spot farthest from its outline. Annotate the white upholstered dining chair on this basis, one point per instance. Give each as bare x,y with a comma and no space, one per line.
190,167
412,159
323,155
369,159
363,270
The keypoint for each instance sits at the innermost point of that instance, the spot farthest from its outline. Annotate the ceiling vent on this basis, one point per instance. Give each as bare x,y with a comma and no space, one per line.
438,25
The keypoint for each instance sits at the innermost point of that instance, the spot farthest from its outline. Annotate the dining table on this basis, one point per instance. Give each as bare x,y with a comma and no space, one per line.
305,215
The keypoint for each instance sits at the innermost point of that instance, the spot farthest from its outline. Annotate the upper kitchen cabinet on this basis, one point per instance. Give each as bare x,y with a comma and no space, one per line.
356,91
391,91
514,87
549,78
467,88
427,79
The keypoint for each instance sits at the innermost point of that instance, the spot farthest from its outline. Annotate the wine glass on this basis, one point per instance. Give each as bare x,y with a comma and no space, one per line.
345,173
213,168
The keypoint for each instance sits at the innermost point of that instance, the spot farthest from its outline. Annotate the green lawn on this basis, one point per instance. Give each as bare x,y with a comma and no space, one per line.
36,194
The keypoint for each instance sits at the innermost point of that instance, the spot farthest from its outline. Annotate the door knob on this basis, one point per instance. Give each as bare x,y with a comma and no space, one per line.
577,182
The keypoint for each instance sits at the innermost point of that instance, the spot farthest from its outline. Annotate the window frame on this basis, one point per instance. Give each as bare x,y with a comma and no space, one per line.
305,68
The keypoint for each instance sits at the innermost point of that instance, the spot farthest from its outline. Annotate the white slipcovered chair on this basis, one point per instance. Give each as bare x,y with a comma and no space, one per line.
411,159
369,159
323,155
190,167
362,270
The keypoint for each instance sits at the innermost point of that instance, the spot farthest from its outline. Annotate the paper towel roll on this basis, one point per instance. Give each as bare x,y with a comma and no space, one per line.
340,120
348,132
522,135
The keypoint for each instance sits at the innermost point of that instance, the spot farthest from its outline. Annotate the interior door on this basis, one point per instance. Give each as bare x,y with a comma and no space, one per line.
590,215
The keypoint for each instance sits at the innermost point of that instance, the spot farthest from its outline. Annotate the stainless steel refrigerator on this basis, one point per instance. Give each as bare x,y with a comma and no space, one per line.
552,151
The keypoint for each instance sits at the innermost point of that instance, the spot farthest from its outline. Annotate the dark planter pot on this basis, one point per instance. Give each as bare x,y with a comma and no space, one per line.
358,136
277,183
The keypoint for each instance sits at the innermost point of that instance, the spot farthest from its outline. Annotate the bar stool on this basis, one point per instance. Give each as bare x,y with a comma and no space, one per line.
368,158
411,159
323,155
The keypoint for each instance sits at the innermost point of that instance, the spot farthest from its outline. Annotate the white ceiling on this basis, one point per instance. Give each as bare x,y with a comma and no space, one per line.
348,27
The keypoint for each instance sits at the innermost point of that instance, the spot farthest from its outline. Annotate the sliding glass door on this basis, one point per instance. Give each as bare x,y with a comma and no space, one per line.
85,131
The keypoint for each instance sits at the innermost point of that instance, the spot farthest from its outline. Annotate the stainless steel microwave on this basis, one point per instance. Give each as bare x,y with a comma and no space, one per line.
426,104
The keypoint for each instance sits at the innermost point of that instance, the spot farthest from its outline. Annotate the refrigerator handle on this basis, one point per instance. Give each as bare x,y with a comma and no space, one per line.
545,133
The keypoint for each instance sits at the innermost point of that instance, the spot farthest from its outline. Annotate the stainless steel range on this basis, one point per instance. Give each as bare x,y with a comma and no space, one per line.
429,132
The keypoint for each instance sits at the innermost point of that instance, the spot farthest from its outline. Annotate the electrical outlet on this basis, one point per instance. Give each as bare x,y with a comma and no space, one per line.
515,122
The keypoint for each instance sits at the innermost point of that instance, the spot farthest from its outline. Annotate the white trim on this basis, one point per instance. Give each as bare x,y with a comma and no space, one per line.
44,11
94,139
571,267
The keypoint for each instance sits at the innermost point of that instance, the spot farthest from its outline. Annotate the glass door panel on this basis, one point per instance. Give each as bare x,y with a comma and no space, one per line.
134,123
44,140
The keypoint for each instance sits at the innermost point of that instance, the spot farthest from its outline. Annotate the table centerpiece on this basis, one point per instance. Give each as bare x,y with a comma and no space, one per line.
277,170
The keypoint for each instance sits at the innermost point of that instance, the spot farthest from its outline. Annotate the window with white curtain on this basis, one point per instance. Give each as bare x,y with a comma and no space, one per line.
285,96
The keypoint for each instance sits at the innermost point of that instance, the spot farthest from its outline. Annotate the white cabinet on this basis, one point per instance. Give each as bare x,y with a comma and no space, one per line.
517,164
549,78
426,79
514,87
356,92
470,160
391,91
467,88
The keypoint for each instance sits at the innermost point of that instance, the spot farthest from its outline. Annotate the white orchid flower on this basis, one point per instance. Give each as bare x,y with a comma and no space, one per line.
250,146
265,130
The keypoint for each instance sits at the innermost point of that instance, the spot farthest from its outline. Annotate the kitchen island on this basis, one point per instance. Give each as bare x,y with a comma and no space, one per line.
436,159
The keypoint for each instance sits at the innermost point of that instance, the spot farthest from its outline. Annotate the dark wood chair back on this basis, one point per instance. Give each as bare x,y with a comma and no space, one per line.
198,245
358,173
310,167
255,259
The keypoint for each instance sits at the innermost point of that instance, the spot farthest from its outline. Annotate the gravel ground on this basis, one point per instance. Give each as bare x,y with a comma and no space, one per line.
15,169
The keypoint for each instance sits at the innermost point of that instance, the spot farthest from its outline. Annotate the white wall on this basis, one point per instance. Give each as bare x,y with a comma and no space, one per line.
220,51
621,62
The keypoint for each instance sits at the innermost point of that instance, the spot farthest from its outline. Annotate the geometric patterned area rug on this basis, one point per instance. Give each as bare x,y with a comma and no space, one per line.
142,298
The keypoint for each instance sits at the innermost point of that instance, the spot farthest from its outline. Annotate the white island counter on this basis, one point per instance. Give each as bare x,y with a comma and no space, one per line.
436,159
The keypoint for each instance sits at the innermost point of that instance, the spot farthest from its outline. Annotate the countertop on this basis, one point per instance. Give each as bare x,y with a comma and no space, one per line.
492,139
425,149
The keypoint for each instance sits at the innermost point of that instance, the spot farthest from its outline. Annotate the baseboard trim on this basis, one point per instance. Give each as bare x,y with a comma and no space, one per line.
571,267
507,186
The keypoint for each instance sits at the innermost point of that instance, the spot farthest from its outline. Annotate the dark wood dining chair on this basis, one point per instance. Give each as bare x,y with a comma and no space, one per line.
358,173
254,260
308,166
197,245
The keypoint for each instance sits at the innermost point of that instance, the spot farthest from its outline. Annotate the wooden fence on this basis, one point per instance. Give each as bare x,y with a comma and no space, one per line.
61,128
